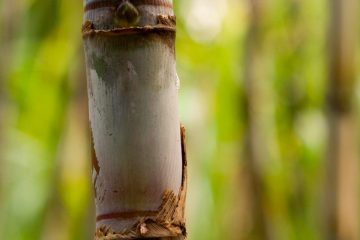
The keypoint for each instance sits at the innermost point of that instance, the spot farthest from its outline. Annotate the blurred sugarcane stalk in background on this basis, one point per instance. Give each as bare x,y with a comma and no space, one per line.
253,152
39,45
342,170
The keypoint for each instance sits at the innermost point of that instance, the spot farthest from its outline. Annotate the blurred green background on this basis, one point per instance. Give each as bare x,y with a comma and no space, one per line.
45,189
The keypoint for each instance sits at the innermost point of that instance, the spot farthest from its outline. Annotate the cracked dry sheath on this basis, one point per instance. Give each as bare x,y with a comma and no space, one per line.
138,168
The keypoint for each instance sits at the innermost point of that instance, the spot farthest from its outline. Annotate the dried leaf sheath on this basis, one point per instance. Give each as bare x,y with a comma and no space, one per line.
169,220
138,175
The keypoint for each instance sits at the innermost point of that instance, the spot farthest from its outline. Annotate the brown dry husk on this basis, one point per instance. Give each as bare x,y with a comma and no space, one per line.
169,221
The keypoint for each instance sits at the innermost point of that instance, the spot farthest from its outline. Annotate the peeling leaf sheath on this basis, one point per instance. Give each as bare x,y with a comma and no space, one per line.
164,23
128,31
170,218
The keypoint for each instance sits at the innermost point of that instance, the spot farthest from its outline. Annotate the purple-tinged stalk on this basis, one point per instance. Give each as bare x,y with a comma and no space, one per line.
139,163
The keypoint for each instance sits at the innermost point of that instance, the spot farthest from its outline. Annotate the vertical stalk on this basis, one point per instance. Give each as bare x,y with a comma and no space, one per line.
342,160
252,157
139,169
